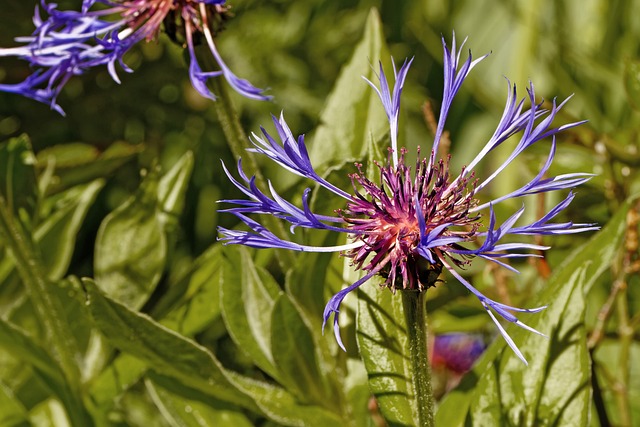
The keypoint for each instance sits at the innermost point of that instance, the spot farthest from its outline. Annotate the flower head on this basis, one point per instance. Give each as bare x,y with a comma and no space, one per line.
409,225
67,43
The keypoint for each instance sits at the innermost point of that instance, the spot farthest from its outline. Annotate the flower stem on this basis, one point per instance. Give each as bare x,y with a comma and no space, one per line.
236,137
48,307
415,313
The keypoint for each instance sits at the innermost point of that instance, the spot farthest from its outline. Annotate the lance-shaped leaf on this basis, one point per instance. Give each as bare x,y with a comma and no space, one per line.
383,343
162,349
180,410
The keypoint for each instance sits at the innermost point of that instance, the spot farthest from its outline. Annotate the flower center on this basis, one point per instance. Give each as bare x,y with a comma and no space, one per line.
385,218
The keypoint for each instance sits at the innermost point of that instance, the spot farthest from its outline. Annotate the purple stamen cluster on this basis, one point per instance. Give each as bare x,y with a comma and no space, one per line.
68,43
390,218
410,225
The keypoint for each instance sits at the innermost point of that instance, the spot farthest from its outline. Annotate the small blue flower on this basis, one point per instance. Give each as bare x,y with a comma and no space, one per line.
409,225
68,43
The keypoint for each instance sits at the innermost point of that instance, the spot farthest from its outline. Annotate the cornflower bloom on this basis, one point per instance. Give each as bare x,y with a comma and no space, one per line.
67,43
408,226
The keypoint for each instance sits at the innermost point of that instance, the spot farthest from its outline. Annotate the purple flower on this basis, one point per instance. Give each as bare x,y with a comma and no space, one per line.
456,352
409,225
67,43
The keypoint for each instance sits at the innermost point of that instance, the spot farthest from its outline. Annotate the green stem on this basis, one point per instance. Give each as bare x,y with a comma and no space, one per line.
48,308
236,137
415,313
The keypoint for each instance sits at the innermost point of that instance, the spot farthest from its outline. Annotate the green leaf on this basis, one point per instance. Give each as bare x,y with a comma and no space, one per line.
131,248
198,307
160,348
294,355
172,187
199,302
358,394
632,82
555,389
305,283
45,368
22,347
56,235
17,175
353,114
282,407
383,342
125,371
78,163
13,413
184,412
248,295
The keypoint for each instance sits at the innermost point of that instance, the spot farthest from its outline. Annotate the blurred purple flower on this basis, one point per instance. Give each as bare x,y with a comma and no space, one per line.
408,226
67,43
456,352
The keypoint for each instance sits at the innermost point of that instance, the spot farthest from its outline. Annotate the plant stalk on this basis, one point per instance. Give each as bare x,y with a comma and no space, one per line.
232,128
415,312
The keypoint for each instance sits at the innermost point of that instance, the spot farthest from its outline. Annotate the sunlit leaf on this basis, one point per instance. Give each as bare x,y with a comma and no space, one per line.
131,248
13,413
199,302
180,411
118,377
23,347
353,114
172,187
383,343
282,407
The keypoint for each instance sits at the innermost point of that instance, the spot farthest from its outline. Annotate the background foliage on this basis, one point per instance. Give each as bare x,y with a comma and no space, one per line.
117,307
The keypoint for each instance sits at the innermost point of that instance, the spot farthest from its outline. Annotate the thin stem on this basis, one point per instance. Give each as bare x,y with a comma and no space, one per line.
48,308
603,316
236,137
625,328
598,400
626,337
415,313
